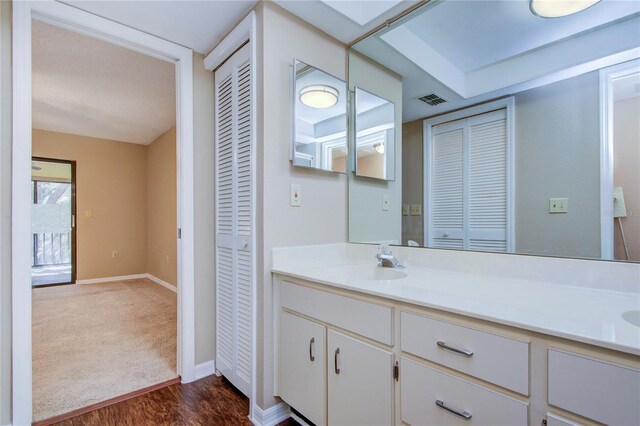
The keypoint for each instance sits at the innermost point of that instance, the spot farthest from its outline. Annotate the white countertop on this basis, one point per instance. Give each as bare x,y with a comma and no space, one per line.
577,313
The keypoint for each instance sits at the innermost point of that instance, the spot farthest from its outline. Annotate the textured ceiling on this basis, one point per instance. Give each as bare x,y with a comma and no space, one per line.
89,87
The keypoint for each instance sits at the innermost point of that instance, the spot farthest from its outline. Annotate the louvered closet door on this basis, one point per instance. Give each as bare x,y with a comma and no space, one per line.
234,221
447,186
487,205
468,182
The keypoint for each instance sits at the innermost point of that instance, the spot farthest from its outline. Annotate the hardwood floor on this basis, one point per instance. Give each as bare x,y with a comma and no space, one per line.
209,401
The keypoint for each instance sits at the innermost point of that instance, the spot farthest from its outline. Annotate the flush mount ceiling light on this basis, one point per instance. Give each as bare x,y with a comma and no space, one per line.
319,96
379,147
559,8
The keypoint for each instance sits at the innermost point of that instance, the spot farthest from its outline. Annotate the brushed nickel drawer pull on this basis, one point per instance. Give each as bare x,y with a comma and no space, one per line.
311,356
464,352
335,361
464,414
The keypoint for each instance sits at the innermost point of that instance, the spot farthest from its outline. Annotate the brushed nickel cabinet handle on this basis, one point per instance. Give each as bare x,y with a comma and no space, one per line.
464,414
311,356
335,361
464,352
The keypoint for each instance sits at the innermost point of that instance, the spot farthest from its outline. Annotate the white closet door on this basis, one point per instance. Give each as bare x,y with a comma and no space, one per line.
487,218
447,186
468,181
234,219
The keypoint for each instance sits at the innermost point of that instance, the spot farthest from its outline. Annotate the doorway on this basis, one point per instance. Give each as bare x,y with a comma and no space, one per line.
53,191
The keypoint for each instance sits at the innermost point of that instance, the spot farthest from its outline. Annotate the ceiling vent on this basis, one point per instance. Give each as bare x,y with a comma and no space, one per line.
433,99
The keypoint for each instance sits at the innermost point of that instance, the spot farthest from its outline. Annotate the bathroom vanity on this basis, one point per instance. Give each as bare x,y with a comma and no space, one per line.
455,338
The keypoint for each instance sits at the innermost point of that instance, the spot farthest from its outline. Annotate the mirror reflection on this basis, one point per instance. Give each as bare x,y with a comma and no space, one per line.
520,134
320,120
374,136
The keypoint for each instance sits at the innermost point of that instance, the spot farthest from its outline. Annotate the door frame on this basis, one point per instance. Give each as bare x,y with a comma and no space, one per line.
607,78
79,21
74,233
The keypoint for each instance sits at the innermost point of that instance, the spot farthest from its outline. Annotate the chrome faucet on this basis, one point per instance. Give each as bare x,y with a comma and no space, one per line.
386,258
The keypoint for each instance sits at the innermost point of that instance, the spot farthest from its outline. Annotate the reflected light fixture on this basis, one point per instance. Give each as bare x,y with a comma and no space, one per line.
559,8
379,147
319,96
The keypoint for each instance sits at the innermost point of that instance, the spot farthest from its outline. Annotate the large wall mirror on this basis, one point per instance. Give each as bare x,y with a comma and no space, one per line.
320,119
520,133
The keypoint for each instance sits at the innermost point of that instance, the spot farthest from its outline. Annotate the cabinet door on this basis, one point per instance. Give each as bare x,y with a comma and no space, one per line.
303,367
360,382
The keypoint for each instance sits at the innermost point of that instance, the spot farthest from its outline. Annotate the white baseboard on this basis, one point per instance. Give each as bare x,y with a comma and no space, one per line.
271,416
128,277
109,279
162,283
205,369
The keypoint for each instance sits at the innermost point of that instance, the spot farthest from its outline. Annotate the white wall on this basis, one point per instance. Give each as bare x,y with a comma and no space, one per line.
5,212
367,221
323,215
204,212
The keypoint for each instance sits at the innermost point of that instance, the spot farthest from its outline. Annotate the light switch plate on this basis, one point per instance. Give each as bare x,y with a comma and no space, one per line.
295,195
416,209
558,205
405,210
87,213
385,202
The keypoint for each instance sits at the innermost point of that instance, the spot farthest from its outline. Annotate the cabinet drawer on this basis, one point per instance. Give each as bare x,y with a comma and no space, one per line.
363,318
601,391
423,386
496,359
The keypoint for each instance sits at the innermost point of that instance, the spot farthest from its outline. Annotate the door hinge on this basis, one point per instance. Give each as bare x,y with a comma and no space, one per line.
396,371
179,233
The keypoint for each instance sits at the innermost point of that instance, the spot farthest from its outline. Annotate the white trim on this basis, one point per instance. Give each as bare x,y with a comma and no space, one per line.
205,369
95,26
245,32
111,279
168,286
242,33
271,416
607,78
509,105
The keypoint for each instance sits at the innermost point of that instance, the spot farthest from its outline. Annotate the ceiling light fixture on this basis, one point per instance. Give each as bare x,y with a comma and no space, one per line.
559,8
319,96
379,147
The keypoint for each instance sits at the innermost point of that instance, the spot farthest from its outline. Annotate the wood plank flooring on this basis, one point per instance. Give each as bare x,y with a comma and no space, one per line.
209,401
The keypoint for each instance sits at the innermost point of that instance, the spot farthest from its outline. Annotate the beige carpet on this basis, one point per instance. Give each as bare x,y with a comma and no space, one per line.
98,341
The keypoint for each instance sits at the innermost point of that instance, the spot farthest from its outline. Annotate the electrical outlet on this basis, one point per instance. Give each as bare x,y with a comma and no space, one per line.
558,205
416,209
385,202
295,196
114,254
87,213
405,210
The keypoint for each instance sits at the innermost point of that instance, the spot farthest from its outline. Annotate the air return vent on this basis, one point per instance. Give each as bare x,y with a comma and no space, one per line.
433,99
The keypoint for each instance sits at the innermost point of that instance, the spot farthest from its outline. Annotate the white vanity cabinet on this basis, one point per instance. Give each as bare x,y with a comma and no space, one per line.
303,366
338,350
331,367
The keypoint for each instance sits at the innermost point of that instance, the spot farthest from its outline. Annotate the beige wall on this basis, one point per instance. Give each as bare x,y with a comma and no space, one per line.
161,209
204,213
5,212
626,152
111,183
412,180
323,215
367,221
558,155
